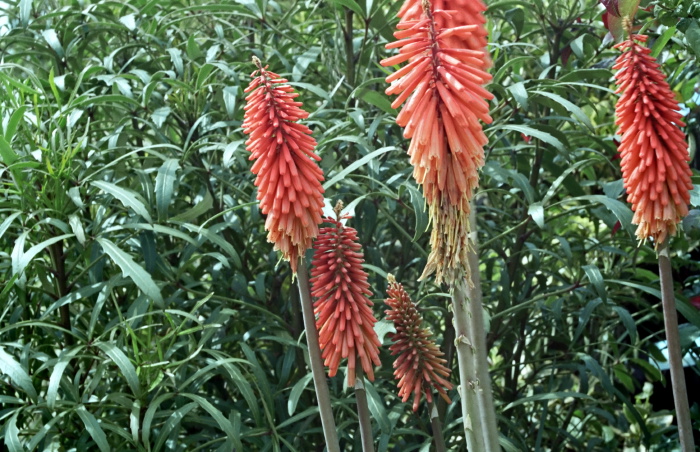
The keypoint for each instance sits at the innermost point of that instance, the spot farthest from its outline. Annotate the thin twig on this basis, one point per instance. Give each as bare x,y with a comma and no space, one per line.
319,375
675,360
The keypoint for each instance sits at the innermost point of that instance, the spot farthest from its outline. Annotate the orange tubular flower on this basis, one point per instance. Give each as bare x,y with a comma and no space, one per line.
463,12
418,366
288,177
442,85
345,320
653,149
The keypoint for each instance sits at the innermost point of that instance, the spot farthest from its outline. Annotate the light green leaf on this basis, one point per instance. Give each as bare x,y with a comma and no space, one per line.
296,392
357,164
126,197
165,181
198,209
132,270
531,132
93,428
596,278
124,364
573,108
17,374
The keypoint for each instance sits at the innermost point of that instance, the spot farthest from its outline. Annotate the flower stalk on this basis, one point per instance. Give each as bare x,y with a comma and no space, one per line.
675,359
318,372
363,414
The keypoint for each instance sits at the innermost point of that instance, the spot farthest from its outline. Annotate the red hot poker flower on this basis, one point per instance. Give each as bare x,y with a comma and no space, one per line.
345,320
288,177
463,12
446,101
653,148
418,365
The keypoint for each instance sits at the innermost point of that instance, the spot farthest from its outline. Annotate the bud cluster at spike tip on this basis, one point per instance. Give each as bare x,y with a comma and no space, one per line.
445,105
288,177
345,320
419,365
653,148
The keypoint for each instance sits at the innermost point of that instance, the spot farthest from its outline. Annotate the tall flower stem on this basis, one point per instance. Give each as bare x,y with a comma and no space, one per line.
469,385
478,340
680,395
319,375
436,425
363,413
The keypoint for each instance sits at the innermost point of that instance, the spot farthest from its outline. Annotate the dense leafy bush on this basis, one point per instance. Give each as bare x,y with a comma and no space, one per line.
143,309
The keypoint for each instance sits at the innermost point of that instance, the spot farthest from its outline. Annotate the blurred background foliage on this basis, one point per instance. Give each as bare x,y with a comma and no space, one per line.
142,308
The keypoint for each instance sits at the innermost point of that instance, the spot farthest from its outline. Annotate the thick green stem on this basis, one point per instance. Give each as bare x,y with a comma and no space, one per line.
675,359
478,339
436,425
467,372
317,369
363,413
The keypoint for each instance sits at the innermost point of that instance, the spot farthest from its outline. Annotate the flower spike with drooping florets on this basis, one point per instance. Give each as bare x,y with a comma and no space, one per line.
653,148
419,365
442,85
288,177
345,320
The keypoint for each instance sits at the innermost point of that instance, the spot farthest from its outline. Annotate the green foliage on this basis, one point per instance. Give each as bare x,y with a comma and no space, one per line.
142,308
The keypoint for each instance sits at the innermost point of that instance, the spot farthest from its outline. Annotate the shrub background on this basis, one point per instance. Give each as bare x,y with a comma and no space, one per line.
142,308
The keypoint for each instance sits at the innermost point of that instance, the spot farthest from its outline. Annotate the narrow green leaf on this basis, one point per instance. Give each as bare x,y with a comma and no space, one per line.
357,164
126,197
124,364
596,278
198,209
377,408
620,210
573,108
93,428
224,423
548,396
172,422
531,132
17,374
132,270
12,435
296,392
418,203
536,211
662,40
57,374
165,181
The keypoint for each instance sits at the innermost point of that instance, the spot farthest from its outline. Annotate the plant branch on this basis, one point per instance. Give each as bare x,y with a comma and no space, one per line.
478,339
675,359
436,425
363,413
319,374
471,414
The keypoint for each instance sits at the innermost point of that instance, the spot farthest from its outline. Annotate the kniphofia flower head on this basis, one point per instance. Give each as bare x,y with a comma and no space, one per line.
419,365
653,148
345,320
288,177
445,104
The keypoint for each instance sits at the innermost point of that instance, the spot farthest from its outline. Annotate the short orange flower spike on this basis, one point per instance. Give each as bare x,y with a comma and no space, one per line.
419,365
653,148
288,177
345,320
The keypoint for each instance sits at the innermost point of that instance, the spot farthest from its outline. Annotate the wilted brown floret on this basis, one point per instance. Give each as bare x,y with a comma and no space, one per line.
345,320
653,148
289,179
418,365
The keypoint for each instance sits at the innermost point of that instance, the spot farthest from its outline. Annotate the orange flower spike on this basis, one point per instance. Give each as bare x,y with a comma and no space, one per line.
445,99
418,365
288,177
345,321
653,148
